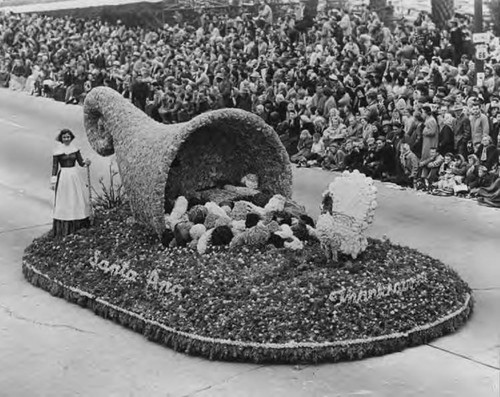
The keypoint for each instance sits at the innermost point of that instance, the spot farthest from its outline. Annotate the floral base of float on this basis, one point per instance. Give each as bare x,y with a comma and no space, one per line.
259,305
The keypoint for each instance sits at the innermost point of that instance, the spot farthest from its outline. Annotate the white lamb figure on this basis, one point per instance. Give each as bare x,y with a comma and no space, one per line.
347,211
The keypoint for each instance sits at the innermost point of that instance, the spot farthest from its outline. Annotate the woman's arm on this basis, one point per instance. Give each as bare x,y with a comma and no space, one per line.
81,161
55,168
79,158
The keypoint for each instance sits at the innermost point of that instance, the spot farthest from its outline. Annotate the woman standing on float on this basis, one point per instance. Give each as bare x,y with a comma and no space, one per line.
71,203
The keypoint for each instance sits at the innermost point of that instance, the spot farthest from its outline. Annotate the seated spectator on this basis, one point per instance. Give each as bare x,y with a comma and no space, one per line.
336,131
490,195
430,167
472,169
459,167
447,176
484,179
334,158
487,153
303,148
353,156
288,130
381,164
368,156
317,151
409,167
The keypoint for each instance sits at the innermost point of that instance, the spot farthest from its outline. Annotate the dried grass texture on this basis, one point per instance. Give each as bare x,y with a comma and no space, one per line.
158,161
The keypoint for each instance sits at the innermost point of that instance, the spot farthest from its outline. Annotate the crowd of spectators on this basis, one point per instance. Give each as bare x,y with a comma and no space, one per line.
342,91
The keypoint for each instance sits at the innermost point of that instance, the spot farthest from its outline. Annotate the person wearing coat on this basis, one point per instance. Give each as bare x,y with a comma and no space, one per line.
446,139
415,133
431,165
490,195
487,153
480,125
303,147
409,165
461,130
430,132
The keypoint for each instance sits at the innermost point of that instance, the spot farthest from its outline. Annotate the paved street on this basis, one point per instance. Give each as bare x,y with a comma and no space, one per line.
49,347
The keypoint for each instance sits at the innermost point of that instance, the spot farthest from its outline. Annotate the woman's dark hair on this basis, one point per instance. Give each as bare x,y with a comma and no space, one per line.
64,132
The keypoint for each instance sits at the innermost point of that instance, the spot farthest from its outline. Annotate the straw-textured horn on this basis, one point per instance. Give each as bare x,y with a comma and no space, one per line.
158,160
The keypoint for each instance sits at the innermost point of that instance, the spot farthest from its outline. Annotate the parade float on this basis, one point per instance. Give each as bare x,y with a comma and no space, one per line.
211,256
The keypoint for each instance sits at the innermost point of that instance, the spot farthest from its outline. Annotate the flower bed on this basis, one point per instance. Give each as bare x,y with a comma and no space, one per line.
267,305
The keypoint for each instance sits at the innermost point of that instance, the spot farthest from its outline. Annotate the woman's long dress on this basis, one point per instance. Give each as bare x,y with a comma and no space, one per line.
71,201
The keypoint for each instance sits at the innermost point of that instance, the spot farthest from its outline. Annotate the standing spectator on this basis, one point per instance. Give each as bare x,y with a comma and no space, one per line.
461,130
430,132
446,139
415,134
494,119
479,124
